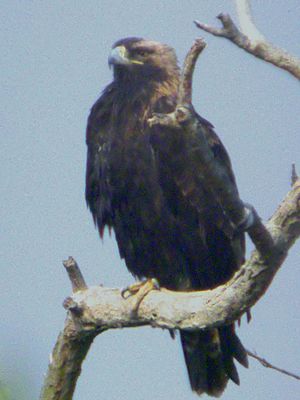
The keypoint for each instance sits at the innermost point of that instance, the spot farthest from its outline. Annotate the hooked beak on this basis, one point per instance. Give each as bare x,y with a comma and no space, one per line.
119,56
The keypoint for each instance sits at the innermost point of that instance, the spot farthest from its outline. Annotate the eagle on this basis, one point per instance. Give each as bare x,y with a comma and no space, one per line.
143,182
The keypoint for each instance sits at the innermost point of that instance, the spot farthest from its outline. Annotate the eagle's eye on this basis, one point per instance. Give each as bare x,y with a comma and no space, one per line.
142,53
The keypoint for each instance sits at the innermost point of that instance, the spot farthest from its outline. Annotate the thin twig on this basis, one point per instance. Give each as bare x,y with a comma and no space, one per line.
267,364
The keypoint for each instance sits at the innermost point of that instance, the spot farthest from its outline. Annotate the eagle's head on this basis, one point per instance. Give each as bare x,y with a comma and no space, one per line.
135,58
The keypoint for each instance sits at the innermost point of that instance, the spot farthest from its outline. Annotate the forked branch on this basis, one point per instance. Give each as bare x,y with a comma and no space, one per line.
251,40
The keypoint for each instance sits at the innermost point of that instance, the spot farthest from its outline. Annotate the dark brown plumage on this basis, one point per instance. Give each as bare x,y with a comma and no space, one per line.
145,184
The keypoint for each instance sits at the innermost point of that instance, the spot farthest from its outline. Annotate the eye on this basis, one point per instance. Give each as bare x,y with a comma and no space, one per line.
142,53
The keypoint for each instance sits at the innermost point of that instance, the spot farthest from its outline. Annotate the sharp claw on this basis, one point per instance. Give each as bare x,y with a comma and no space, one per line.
132,289
123,292
140,290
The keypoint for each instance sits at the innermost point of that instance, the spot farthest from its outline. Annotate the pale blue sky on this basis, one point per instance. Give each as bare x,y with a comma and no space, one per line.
54,66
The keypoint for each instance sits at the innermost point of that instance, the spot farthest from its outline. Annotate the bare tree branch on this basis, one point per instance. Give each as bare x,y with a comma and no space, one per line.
245,18
96,309
185,88
65,362
105,308
267,364
254,44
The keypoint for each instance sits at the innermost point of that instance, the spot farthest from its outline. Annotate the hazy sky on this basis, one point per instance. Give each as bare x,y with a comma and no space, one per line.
54,66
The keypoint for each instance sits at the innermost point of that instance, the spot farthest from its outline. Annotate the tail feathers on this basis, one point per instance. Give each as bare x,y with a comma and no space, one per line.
229,367
203,359
230,341
209,359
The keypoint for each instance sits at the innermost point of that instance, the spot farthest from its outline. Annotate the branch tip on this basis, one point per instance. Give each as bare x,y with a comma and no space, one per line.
186,80
223,17
294,177
75,275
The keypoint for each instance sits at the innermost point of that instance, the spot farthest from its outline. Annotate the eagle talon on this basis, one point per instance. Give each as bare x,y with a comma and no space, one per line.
124,292
140,290
132,289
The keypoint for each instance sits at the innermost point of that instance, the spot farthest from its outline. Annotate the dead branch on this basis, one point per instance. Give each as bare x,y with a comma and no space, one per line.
65,362
96,309
246,22
185,88
105,308
254,43
75,275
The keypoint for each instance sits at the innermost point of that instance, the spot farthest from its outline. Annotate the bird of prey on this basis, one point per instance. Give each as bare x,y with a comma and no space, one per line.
145,184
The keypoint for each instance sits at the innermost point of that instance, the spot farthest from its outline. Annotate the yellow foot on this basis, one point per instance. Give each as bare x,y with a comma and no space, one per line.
140,291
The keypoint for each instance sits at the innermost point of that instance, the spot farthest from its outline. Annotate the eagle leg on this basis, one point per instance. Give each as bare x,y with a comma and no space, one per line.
140,291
